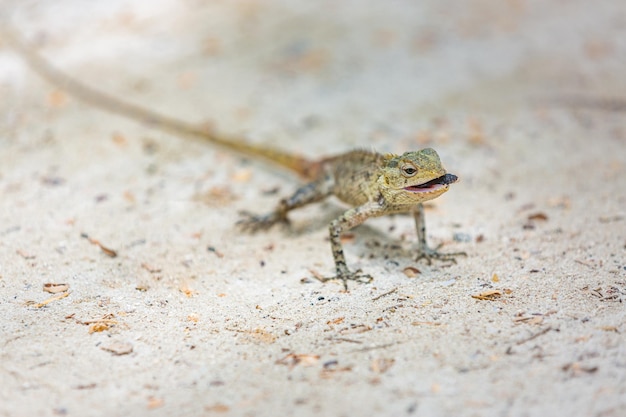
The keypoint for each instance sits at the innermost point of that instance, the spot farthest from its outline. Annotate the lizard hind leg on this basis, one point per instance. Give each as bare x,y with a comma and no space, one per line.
307,194
253,223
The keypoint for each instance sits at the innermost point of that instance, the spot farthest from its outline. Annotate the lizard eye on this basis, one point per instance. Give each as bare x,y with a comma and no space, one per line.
408,170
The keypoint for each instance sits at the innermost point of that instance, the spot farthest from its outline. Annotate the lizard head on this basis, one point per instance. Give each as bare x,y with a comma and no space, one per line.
414,177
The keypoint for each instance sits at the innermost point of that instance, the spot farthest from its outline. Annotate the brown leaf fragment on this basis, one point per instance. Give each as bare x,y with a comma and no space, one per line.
53,288
187,291
49,300
381,365
536,320
211,46
155,402
217,408
262,335
317,275
294,359
528,319
355,329
578,261
150,268
57,98
216,196
411,271
378,297
609,329
344,339
537,216
527,206
118,348
86,386
119,139
25,254
347,237
489,295
98,327
187,79
426,323
338,320
563,202
243,175
129,196
332,369
534,336
107,251
610,219
575,368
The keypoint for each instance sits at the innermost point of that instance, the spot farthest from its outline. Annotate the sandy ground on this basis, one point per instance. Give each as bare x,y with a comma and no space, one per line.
524,100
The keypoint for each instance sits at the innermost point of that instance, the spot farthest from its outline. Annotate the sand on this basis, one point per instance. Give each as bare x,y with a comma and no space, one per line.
171,311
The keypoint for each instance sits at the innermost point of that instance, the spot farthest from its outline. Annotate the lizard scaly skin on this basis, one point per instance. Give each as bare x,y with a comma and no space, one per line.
372,184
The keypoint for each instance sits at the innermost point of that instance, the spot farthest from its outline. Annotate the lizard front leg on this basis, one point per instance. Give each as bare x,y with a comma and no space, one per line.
345,222
423,250
307,194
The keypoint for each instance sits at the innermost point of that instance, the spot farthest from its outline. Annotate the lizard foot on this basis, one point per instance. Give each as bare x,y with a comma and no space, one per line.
253,223
346,276
429,254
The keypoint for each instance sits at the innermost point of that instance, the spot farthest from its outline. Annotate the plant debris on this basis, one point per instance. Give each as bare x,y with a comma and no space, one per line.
107,251
294,359
25,254
381,365
489,295
118,348
48,301
538,216
55,288
411,271
575,368
378,297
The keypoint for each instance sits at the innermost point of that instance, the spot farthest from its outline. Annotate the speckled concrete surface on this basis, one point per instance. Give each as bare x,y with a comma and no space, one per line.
524,100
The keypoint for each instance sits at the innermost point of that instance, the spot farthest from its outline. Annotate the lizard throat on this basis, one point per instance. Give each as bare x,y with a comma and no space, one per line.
433,185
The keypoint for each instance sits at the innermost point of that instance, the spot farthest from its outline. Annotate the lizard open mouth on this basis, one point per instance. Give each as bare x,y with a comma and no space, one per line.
433,185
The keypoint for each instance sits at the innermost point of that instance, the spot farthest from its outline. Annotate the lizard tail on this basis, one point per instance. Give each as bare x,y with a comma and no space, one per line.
303,167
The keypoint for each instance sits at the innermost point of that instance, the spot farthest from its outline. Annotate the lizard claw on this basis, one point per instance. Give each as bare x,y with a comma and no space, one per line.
346,276
253,223
429,254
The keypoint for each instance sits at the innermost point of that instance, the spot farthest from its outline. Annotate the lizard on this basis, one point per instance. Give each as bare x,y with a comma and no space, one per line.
372,184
